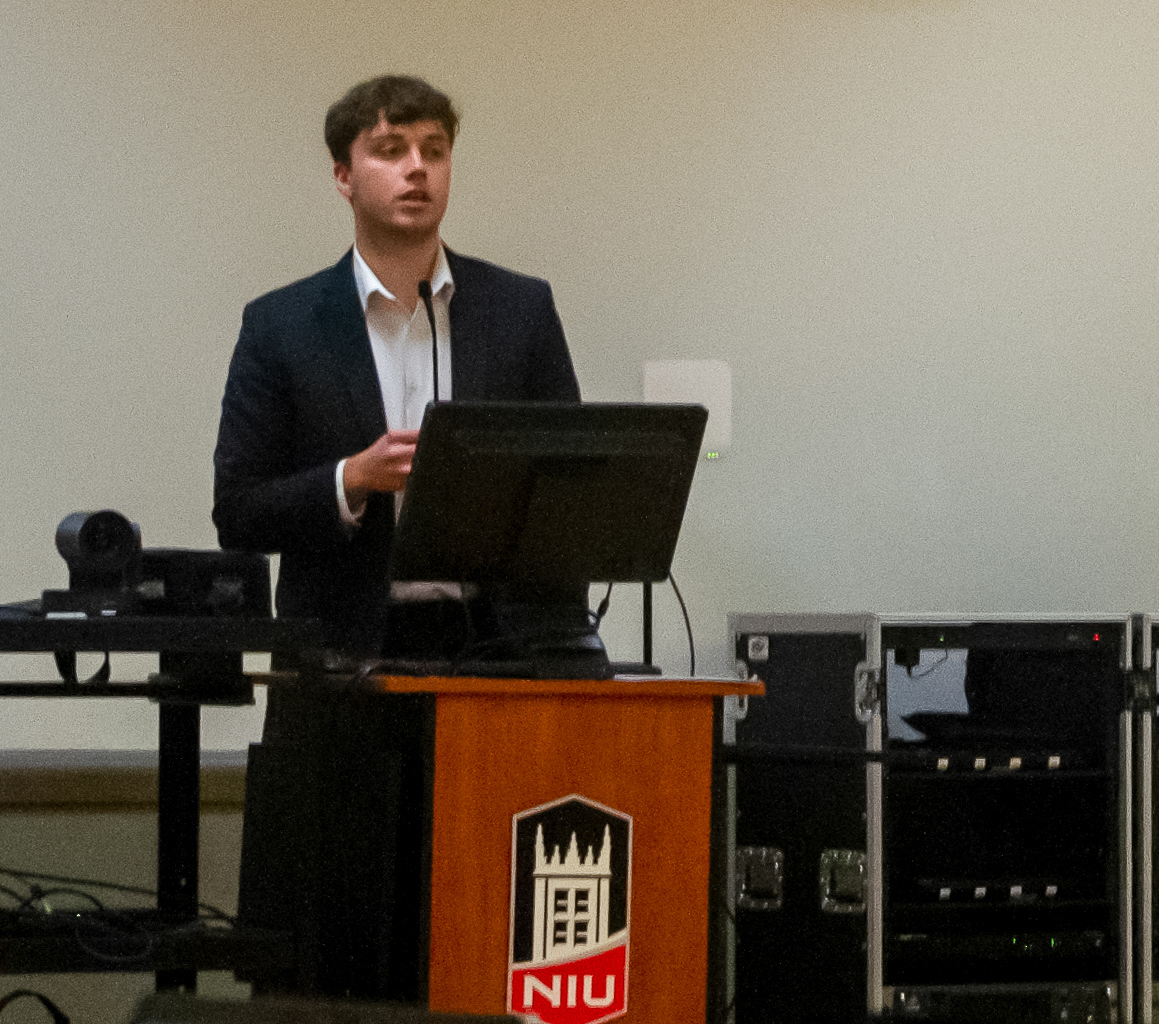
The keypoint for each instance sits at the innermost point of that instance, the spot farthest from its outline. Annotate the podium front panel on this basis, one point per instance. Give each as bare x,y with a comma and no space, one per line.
647,757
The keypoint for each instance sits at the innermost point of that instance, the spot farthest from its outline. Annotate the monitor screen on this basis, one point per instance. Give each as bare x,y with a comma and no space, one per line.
547,493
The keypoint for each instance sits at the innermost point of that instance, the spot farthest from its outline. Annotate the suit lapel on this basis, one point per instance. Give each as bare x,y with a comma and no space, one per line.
342,330
470,314
343,338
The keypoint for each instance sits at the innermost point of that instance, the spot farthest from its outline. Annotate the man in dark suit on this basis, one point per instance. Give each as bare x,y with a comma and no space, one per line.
319,422
330,374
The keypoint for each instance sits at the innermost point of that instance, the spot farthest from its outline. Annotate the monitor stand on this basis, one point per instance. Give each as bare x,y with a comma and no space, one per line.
540,632
532,632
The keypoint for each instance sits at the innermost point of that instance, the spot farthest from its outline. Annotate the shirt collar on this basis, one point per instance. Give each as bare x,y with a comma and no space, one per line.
368,283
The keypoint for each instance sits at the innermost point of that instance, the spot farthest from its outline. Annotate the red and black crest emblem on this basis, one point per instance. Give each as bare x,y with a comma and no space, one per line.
570,902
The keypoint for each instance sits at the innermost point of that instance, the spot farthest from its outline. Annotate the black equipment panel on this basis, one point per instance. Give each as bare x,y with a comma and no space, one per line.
800,789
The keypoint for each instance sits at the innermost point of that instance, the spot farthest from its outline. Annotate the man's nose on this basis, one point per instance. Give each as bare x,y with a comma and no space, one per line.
415,161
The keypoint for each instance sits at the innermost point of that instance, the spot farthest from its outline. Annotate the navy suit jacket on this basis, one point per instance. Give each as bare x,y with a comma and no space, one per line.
303,393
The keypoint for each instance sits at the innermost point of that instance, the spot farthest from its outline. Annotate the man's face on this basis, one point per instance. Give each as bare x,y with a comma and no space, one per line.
399,179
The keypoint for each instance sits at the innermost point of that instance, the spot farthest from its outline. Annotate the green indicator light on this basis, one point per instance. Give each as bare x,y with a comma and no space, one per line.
712,455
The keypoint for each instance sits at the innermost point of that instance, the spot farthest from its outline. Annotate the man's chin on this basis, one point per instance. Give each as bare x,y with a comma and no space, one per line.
408,233
418,218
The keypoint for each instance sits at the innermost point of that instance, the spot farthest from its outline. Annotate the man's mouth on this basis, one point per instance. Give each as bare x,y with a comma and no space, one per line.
416,195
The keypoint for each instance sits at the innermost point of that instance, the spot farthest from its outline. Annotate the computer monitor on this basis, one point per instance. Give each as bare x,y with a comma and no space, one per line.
532,502
547,494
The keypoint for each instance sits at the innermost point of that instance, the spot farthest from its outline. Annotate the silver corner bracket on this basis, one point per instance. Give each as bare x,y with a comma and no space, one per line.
868,674
736,707
866,691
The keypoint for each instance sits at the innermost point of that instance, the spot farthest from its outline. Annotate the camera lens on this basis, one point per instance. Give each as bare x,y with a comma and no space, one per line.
97,544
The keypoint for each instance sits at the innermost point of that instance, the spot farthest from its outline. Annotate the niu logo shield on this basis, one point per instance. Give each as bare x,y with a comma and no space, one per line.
571,867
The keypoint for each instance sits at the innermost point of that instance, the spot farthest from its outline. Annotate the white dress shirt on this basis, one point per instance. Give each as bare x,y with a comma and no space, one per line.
401,345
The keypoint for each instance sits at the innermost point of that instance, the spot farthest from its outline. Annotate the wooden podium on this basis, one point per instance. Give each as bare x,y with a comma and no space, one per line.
640,746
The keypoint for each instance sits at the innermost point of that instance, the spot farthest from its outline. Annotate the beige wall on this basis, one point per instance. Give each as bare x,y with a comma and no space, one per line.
921,232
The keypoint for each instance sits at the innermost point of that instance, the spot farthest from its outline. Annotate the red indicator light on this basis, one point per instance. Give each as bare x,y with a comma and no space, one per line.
1096,638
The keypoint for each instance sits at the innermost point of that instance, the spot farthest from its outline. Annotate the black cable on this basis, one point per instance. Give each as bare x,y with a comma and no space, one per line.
601,609
66,666
36,894
106,935
111,927
18,896
58,1015
931,668
115,937
687,625
209,908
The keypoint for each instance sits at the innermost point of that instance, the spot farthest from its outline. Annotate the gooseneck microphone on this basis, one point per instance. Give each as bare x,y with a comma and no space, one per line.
425,295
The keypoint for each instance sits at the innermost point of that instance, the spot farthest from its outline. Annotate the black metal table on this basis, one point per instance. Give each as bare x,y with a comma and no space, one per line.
200,662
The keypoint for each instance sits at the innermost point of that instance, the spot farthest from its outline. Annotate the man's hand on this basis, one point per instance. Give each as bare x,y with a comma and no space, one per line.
384,466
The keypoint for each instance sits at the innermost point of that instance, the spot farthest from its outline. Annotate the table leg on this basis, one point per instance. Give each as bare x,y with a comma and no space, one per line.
178,823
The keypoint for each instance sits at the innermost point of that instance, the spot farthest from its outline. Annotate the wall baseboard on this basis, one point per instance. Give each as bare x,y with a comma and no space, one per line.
109,780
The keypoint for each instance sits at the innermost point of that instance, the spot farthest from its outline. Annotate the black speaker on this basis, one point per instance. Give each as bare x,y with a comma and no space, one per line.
335,839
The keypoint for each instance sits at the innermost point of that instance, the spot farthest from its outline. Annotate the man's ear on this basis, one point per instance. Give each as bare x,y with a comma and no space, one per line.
342,178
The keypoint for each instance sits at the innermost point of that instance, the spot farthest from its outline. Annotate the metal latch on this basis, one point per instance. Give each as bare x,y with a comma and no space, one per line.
734,710
760,872
841,880
735,707
866,691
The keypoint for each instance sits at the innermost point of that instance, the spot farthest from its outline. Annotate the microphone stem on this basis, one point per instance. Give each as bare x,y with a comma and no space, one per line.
425,294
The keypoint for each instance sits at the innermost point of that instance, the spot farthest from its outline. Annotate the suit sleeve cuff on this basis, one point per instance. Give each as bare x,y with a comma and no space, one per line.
351,518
